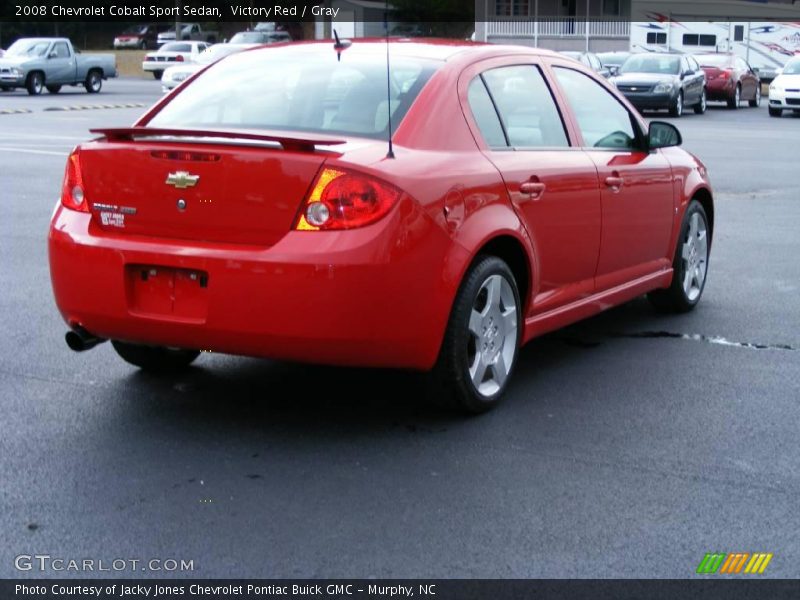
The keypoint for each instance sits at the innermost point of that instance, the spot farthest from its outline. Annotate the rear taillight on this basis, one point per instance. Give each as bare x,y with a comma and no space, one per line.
345,200
179,58
725,73
73,194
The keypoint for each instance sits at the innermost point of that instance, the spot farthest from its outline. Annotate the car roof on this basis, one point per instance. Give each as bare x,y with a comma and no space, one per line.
431,48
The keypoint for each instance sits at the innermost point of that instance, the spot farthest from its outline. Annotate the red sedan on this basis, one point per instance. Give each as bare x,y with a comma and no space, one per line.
730,79
259,209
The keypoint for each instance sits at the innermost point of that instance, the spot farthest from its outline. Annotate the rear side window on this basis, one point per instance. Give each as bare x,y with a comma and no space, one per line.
301,88
603,121
485,114
526,107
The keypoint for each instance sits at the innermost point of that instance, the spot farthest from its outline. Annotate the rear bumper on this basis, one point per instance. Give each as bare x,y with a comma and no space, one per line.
720,89
367,297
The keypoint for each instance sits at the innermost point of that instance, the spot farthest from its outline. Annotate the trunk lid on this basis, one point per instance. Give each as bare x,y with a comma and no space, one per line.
201,192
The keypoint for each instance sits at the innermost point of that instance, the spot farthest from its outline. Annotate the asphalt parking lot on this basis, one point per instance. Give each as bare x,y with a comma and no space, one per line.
628,446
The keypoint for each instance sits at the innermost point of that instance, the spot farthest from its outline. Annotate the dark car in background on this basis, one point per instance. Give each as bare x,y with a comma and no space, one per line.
140,37
658,81
729,78
591,60
613,60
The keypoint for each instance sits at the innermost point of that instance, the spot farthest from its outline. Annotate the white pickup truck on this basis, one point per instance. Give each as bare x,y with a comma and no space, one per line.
39,63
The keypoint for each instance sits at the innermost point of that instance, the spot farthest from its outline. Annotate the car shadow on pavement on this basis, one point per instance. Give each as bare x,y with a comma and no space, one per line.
247,392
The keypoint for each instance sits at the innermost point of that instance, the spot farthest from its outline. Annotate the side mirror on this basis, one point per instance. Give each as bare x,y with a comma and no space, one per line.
53,54
663,135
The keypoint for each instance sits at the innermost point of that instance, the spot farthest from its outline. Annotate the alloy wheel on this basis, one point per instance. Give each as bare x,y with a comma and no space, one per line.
492,340
694,254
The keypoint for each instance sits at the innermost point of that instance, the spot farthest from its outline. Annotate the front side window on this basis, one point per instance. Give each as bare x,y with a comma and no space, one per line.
526,107
602,120
61,50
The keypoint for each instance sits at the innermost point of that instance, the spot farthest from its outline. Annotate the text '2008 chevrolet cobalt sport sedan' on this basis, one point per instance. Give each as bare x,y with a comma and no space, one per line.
260,210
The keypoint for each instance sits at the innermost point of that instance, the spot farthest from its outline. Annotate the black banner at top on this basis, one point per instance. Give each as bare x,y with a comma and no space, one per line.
420,11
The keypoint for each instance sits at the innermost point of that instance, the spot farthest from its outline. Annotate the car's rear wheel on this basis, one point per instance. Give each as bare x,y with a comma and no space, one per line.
53,89
676,110
735,100
690,264
158,74
481,342
155,358
701,106
94,82
775,112
756,101
34,84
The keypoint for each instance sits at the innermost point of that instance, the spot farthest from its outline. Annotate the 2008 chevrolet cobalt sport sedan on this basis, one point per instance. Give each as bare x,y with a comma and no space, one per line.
259,210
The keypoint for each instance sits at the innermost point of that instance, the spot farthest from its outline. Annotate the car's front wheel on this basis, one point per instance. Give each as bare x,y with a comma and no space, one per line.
34,84
676,110
481,342
690,264
155,358
775,112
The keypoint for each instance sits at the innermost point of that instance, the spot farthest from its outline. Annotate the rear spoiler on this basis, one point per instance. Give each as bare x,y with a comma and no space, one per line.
289,141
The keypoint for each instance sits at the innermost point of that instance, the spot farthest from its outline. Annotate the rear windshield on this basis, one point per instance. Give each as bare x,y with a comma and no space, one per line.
300,89
713,60
176,47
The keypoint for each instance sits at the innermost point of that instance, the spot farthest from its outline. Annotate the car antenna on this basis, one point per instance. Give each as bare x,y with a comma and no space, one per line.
340,45
390,153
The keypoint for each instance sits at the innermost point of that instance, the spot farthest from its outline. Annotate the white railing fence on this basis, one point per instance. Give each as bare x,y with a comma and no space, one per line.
558,27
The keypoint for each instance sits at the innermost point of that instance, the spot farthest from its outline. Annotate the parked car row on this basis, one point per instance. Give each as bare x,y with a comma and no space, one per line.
675,82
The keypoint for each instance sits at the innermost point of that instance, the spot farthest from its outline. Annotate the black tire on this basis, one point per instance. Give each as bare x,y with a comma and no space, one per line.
700,107
775,112
676,108
53,89
156,359
35,83
158,74
675,298
143,45
756,101
94,82
450,383
734,101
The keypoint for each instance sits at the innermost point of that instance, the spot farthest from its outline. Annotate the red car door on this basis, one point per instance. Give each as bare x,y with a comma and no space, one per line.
551,184
636,186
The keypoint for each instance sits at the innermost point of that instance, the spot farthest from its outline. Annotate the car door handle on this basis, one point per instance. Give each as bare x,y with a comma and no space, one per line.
533,188
614,182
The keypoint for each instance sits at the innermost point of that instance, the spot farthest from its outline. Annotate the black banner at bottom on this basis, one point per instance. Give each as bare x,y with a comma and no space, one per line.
376,589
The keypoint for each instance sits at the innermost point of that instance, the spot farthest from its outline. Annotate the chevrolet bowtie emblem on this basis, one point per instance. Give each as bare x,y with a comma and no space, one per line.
182,179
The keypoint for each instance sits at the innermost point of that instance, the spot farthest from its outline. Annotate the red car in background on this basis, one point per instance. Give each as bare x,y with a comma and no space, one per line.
259,209
729,78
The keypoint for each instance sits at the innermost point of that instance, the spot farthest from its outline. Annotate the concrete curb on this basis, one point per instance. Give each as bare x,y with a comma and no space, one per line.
95,106
15,111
